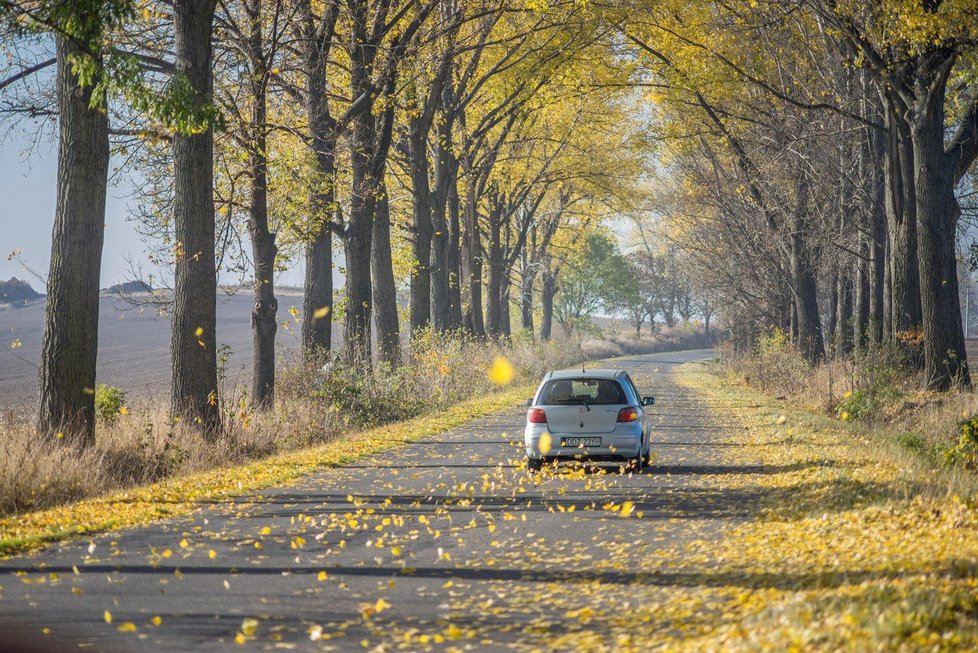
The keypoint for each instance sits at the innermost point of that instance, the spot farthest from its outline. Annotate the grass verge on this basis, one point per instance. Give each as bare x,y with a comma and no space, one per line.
180,495
856,544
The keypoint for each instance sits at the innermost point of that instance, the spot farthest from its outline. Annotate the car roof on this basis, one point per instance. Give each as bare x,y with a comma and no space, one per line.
578,373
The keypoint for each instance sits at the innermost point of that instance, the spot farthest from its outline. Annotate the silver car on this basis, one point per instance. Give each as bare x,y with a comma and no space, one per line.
594,415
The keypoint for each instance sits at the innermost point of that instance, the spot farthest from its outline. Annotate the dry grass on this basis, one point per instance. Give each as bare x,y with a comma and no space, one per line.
877,391
314,404
613,343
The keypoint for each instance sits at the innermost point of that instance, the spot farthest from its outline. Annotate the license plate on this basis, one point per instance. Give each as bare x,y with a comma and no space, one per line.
580,442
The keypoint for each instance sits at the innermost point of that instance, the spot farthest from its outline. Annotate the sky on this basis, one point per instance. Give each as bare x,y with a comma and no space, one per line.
27,185
28,176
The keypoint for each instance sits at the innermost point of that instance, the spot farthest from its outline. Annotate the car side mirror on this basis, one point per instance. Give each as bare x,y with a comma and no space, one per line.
529,402
648,401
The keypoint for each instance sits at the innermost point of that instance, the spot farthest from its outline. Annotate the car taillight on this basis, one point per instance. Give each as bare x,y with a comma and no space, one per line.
536,416
627,415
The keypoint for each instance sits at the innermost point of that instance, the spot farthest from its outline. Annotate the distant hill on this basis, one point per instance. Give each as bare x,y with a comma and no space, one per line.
129,288
17,292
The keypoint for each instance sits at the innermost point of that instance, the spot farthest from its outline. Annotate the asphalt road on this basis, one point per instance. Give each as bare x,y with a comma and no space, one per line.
439,544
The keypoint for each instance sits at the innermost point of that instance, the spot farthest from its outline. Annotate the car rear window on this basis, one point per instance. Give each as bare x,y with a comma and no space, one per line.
576,391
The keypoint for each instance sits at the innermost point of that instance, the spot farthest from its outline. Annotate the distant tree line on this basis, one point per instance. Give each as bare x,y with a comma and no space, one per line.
821,158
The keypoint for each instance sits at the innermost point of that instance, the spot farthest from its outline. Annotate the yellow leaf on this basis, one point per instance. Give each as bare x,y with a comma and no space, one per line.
126,627
501,372
546,443
249,626
157,620
320,313
212,554
107,616
322,575
199,332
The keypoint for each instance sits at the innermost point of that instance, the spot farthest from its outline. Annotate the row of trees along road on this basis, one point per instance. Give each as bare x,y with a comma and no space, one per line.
814,150
800,158
466,146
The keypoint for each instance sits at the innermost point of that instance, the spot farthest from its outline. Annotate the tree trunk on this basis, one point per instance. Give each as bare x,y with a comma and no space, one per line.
440,237
505,321
471,263
384,287
494,287
359,231
526,299
454,257
861,323
937,213
317,299
877,245
803,282
66,378
843,312
421,272
264,322
193,338
547,291
902,225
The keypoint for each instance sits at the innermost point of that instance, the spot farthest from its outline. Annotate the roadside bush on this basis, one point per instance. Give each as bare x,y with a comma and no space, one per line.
965,451
110,402
777,366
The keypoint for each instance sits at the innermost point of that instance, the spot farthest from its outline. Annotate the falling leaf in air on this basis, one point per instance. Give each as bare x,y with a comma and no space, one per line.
501,372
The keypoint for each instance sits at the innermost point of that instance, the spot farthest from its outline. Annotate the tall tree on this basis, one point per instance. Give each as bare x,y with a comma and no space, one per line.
66,380
194,322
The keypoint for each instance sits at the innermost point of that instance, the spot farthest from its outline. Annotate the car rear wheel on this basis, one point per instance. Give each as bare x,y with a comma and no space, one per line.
534,464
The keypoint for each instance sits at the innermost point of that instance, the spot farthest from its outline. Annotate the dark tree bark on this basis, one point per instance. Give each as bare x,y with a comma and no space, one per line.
317,300
547,292
194,323
803,282
454,255
359,231
945,358
526,298
876,299
441,238
494,287
69,349
472,257
264,323
901,223
422,228
385,288
843,311
861,327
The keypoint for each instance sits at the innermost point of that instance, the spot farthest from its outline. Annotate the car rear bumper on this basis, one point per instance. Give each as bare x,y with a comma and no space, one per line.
622,443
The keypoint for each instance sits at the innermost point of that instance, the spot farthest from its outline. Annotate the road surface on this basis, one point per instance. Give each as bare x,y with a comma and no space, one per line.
444,544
